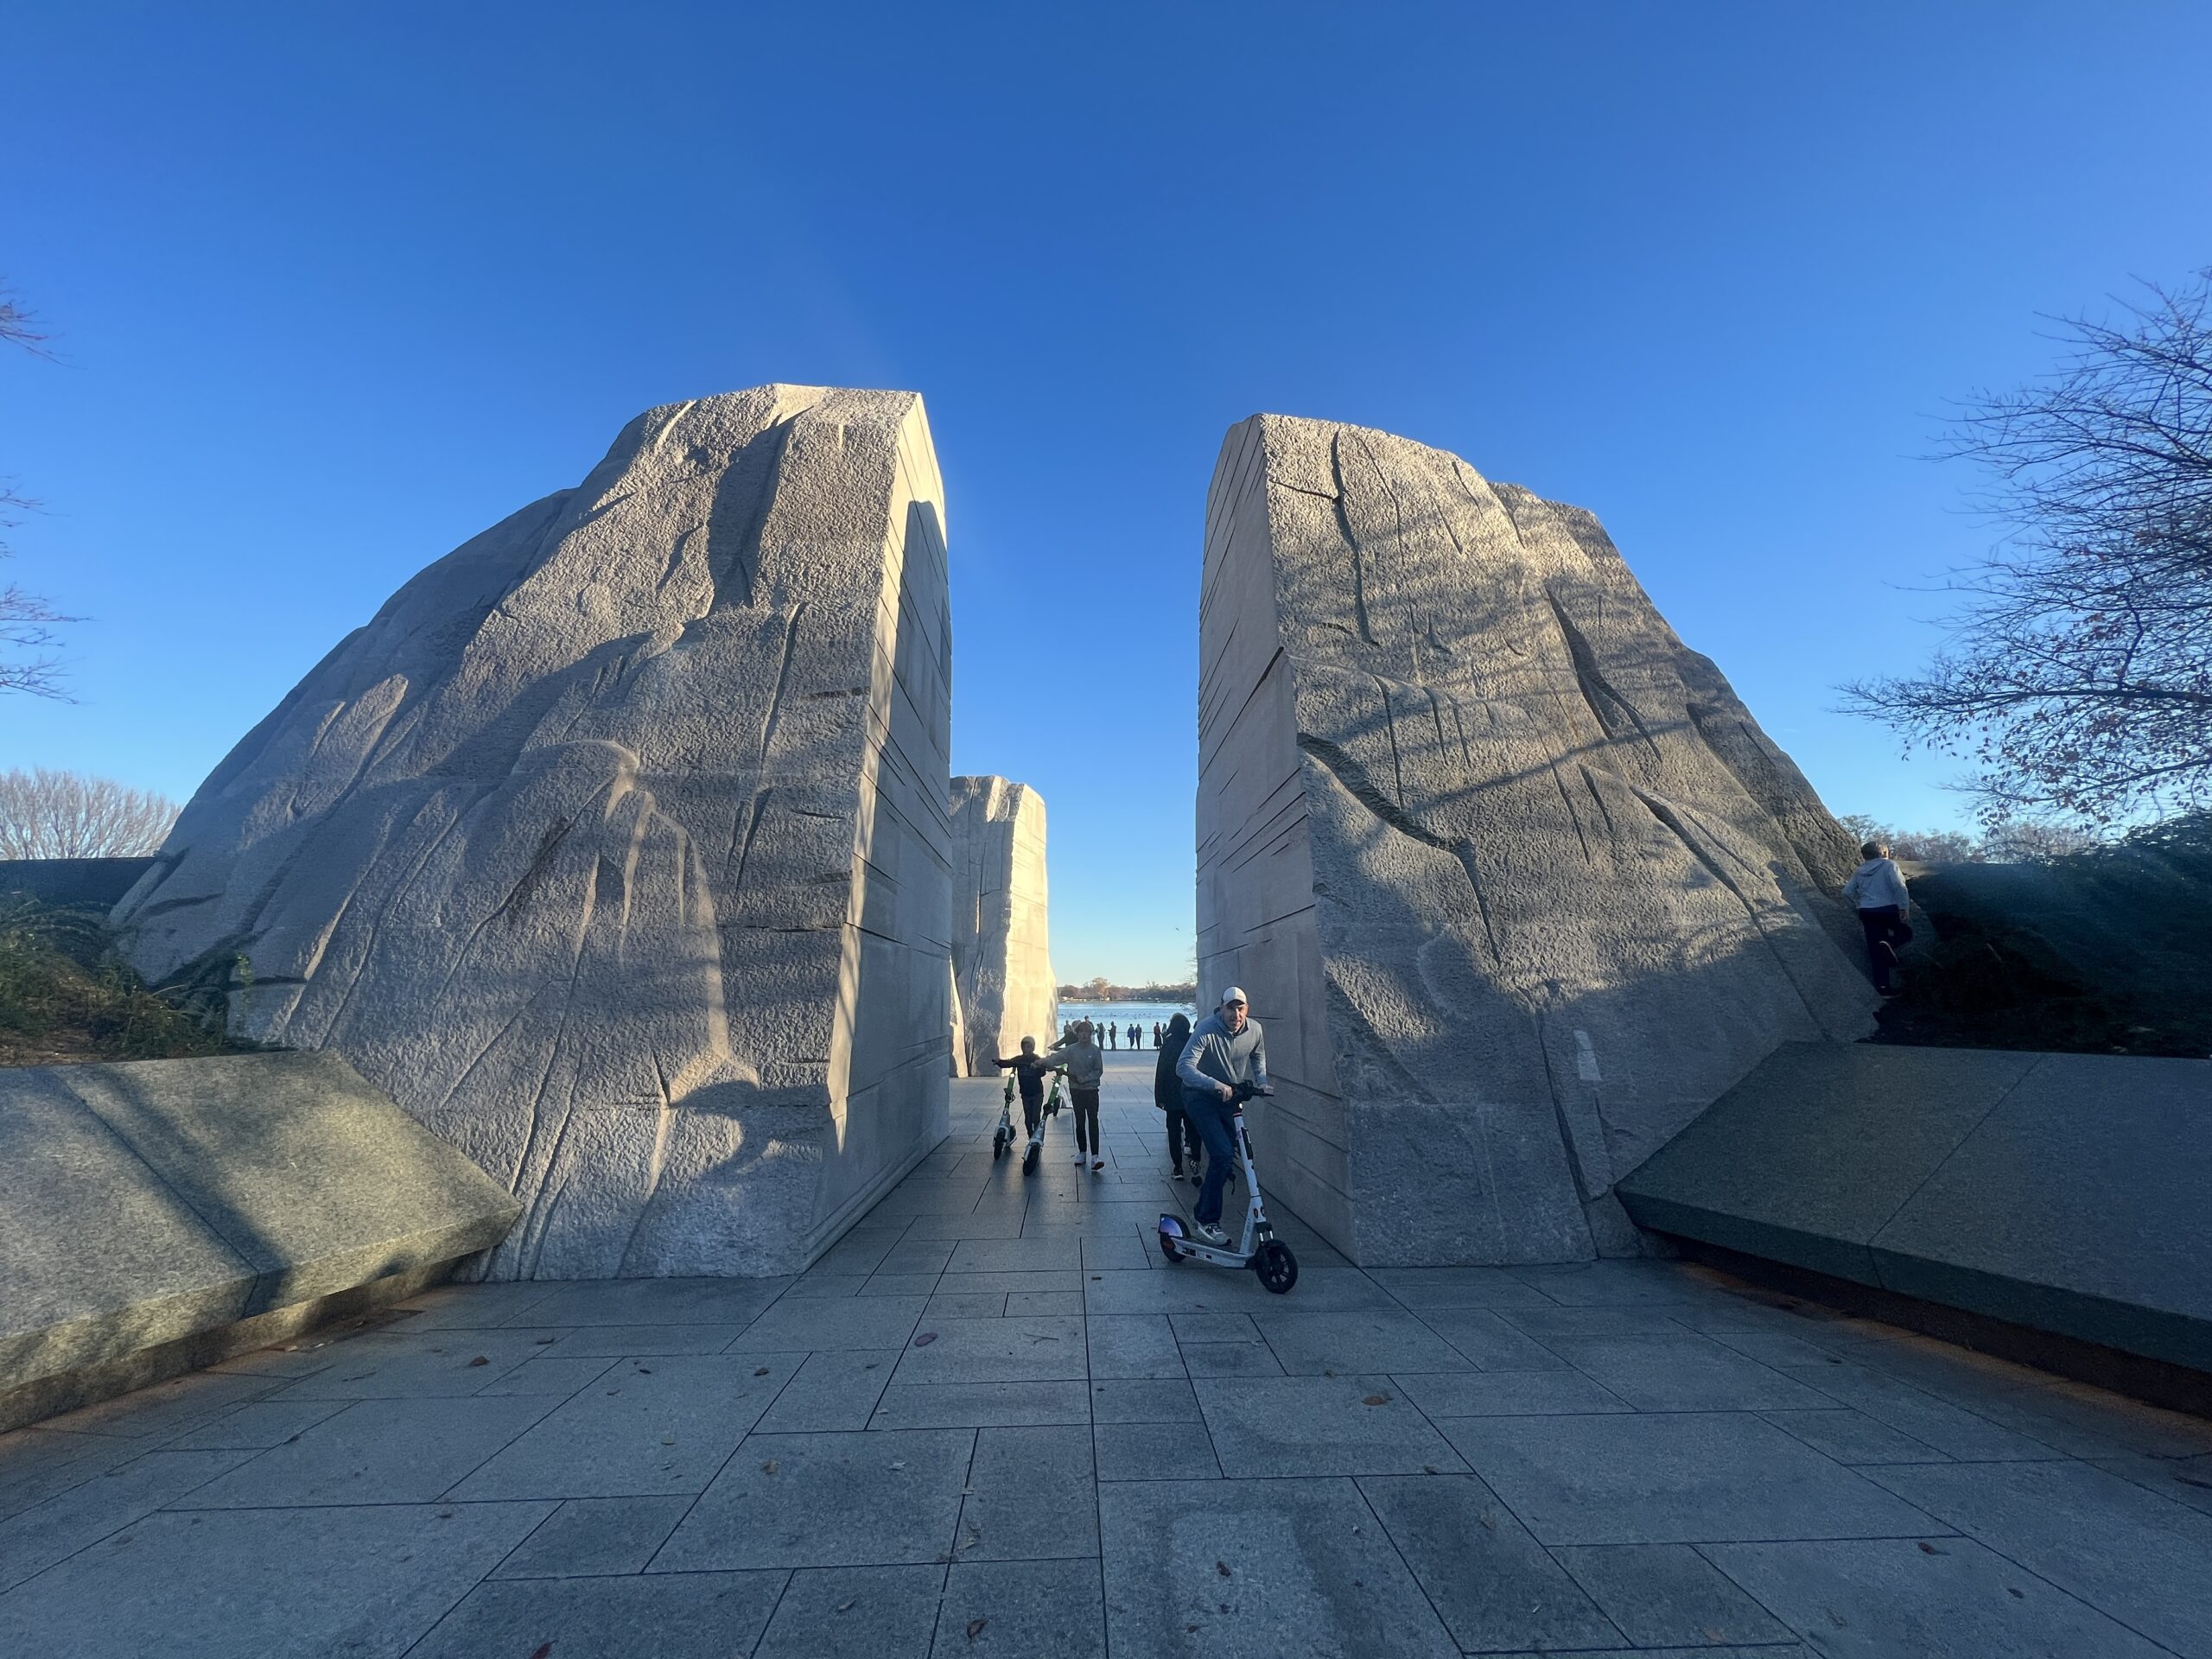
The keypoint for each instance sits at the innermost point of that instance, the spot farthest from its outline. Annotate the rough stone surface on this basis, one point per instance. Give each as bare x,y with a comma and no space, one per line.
614,847
2061,1192
1513,879
162,1200
1001,956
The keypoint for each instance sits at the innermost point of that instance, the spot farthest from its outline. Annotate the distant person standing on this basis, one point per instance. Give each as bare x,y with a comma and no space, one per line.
1225,1048
1085,1066
1113,1037
1877,887
1168,1094
1137,1035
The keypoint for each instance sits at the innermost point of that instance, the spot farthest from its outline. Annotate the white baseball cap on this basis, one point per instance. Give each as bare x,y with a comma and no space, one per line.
1233,994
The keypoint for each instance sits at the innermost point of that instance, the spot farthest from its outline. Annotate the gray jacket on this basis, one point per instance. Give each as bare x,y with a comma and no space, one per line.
1085,1063
1875,883
1213,1056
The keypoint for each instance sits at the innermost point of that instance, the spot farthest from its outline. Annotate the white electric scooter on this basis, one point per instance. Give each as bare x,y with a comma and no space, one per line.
1036,1148
1259,1249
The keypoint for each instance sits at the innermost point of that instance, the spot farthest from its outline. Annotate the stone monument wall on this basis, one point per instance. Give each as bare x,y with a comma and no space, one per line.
614,848
1000,941
1513,880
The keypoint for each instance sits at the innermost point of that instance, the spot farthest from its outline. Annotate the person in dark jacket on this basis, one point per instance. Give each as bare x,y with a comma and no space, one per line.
1030,1070
1168,1094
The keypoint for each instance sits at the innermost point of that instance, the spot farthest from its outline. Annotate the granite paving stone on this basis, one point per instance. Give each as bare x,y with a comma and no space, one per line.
376,1451
855,1613
588,1537
1664,1595
1684,1373
828,1500
1672,1478
1853,1437
36,1538
1308,1344
1029,1497
1489,1343
1230,1359
835,1389
858,1322
1133,1346
651,1301
276,1584
416,1364
1629,1456
1506,1394
1154,1451
1247,1568
1143,1400
1272,1427
687,1616
972,1405
1493,1585
996,1350
1022,1610
2122,1550
661,1426
1901,1599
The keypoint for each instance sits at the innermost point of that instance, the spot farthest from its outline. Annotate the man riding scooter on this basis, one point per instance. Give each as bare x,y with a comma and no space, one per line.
1226,1049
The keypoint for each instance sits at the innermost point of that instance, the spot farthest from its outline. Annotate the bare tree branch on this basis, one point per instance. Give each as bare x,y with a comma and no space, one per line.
2079,678
28,623
69,815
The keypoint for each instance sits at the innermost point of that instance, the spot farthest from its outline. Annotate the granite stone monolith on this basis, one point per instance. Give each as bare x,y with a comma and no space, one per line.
1516,885
614,847
1001,954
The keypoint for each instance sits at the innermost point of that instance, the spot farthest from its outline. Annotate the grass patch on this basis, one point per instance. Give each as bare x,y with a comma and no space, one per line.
68,995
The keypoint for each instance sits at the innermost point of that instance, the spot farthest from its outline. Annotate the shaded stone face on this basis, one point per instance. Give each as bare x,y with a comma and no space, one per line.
614,847
1001,956
1515,883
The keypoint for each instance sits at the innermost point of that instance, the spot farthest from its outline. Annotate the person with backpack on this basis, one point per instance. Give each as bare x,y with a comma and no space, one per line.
1877,887
1168,1094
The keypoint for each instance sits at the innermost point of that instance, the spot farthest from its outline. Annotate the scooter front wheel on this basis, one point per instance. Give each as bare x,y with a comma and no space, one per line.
1029,1159
1276,1265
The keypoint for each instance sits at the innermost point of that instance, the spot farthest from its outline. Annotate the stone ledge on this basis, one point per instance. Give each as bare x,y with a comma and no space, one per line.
2062,1192
151,1207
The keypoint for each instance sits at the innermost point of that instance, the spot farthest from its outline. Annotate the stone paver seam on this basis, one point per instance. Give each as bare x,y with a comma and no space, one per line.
1973,1129
1969,1534
119,1526
2057,1455
1382,1528
725,1464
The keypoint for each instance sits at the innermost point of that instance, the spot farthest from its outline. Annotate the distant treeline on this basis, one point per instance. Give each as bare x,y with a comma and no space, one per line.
1099,991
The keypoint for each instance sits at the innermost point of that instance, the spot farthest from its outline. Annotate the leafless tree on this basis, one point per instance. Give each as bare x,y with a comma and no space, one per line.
2080,677
68,815
27,622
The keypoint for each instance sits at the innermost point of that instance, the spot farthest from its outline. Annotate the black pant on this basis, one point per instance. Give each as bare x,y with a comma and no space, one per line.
1086,1121
1182,1138
1029,1110
1885,929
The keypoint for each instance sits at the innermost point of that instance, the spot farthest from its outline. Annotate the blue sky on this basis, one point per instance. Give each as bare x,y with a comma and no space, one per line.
335,287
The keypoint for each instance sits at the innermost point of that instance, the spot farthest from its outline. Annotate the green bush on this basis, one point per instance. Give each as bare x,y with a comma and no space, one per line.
68,995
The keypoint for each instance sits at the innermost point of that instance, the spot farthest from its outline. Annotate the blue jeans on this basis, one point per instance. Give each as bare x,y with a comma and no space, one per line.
1215,1120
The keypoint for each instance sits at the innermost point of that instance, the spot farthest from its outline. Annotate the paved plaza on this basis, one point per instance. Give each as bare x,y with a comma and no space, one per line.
991,1421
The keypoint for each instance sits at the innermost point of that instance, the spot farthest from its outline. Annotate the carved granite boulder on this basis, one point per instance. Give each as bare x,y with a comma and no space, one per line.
614,848
1514,882
1001,954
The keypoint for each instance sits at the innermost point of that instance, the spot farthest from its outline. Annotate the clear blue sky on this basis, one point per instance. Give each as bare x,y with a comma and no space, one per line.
335,287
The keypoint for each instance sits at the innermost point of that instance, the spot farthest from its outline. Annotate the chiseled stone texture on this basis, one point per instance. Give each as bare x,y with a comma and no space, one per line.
1001,946
147,1204
614,847
1513,879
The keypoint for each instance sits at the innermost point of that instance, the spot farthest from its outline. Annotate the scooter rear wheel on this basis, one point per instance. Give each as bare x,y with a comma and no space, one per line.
1029,1159
1168,1250
1276,1265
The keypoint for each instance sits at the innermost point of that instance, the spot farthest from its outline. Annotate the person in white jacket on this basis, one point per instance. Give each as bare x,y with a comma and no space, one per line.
1877,887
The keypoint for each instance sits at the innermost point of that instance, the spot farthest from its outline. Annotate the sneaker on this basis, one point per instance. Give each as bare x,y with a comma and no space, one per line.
1097,1163
1197,1179
1176,1173
1078,1158
1211,1234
